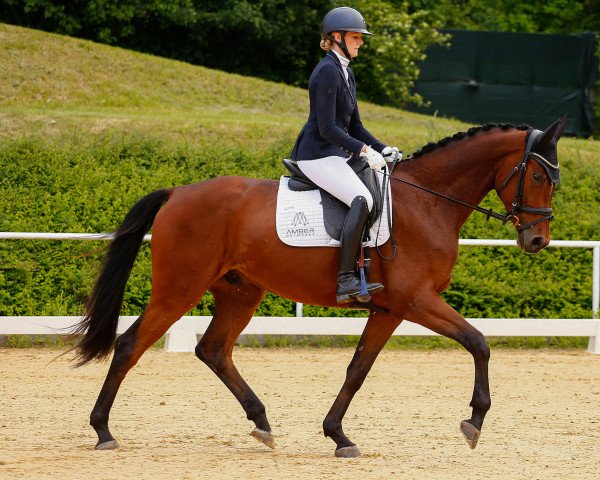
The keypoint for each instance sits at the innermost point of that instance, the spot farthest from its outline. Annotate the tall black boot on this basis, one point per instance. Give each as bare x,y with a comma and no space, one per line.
348,284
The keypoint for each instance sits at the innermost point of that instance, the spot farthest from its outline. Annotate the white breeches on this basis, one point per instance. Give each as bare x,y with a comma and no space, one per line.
335,176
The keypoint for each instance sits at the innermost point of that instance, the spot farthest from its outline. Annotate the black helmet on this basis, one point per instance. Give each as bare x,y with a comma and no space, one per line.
344,19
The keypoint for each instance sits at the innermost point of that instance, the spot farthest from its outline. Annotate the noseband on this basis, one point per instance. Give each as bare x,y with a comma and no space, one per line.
521,168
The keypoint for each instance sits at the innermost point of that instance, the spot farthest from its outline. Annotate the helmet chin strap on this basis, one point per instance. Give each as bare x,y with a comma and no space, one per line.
342,45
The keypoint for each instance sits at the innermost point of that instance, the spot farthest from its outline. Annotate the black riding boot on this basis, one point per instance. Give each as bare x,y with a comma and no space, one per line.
348,284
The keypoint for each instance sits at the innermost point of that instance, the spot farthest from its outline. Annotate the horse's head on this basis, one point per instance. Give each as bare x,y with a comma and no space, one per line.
527,189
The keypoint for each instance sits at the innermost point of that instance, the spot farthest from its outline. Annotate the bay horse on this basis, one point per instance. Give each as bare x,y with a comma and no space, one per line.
219,236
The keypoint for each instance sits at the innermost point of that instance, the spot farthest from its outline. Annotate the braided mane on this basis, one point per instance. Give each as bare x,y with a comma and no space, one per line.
460,135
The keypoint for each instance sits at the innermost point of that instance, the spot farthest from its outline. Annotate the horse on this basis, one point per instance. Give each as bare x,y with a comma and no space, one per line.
219,235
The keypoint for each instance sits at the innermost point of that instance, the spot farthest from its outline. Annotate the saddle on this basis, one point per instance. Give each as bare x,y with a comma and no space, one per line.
334,210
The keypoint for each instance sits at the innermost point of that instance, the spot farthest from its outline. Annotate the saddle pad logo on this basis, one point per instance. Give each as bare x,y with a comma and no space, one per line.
301,223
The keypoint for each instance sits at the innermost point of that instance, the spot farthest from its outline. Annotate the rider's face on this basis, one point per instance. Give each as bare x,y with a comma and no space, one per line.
354,40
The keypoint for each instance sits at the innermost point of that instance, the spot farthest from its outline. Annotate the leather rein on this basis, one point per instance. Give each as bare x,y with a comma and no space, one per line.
517,203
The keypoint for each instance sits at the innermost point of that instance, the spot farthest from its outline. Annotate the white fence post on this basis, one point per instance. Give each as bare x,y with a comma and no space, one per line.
594,341
596,281
181,337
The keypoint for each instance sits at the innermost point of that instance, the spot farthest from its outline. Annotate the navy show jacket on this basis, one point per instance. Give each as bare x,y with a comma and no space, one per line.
333,127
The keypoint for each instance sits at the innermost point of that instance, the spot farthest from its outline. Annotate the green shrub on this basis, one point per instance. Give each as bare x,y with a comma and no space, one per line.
89,188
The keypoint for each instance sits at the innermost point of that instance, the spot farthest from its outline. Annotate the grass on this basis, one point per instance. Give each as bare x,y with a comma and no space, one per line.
57,342
408,342
95,88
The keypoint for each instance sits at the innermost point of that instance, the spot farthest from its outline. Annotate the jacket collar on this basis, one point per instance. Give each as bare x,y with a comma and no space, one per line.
338,64
343,61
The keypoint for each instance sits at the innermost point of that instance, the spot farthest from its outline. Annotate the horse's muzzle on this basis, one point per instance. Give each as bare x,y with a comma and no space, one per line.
531,242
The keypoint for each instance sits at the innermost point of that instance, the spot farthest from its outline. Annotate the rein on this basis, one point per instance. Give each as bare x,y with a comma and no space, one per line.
488,213
516,206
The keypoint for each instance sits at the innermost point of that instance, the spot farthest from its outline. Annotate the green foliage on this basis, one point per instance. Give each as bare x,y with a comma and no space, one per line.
89,187
502,282
552,16
387,69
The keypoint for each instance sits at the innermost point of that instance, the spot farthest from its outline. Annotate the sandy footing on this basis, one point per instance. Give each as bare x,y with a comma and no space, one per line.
174,419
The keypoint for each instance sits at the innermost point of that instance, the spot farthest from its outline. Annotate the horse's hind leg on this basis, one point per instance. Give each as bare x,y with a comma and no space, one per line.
129,347
236,300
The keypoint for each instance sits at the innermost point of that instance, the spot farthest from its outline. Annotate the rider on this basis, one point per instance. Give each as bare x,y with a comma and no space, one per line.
334,132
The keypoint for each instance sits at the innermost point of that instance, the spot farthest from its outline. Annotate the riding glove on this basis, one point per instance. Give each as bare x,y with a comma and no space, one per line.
373,158
391,154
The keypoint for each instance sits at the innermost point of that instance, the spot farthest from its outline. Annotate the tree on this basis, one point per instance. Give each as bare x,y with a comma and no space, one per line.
388,67
550,16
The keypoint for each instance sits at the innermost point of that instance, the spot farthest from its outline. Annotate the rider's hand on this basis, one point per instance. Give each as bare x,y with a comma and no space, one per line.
373,158
391,154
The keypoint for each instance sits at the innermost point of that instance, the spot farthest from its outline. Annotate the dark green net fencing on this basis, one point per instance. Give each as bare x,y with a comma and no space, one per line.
516,78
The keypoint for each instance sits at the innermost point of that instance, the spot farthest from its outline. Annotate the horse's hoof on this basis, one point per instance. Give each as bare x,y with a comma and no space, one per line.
265,437
470,433
348,452
110,445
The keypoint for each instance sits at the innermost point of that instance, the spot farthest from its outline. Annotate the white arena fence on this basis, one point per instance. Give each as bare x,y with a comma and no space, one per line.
182,336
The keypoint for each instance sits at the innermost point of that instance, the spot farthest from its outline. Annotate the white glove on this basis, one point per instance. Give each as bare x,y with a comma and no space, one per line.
373,158
391,154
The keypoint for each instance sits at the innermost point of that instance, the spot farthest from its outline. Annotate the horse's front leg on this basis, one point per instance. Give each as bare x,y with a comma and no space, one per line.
432,312
378,330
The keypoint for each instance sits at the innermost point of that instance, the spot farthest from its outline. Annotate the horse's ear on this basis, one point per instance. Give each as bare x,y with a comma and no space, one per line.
562,123
554,131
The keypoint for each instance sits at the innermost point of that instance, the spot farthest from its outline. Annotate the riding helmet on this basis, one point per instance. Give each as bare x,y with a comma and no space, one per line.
344,19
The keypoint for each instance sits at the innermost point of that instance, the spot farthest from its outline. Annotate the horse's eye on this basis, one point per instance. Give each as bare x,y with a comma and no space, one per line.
538,177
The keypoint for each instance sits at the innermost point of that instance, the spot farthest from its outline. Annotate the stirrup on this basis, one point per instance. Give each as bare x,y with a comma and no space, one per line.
372,289
349,288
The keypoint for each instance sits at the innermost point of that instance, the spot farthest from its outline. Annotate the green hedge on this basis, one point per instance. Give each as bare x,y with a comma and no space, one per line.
89,185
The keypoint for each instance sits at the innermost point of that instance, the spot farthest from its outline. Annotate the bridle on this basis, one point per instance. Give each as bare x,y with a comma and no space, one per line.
517,202
521,168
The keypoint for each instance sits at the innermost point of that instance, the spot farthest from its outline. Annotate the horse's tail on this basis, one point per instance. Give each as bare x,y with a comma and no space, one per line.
97,330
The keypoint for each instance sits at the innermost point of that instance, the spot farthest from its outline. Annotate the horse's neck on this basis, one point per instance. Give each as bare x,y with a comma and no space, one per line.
466,169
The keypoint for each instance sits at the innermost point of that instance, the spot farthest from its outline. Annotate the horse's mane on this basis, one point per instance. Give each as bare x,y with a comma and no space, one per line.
460,135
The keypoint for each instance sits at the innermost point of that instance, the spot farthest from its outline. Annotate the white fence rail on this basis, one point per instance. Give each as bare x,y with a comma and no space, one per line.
182,335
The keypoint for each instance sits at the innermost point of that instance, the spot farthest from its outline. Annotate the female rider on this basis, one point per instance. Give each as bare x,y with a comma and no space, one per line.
334,132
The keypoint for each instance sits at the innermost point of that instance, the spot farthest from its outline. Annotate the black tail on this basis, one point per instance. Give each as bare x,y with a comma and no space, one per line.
99,326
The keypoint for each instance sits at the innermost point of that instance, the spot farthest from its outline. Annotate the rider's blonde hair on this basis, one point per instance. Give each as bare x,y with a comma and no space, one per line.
326,43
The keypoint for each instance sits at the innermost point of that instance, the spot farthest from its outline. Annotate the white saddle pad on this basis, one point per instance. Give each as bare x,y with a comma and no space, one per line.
300,219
